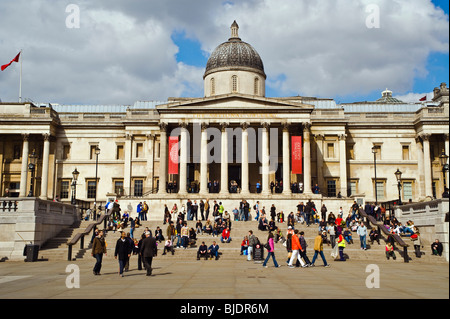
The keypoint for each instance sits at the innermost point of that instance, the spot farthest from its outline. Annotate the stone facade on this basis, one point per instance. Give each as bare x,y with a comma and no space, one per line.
252,130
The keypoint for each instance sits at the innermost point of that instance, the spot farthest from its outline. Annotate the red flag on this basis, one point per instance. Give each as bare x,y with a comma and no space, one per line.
423,99
16,59
173,155
296,146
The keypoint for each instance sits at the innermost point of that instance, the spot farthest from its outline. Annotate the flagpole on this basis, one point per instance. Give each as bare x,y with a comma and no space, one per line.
20,78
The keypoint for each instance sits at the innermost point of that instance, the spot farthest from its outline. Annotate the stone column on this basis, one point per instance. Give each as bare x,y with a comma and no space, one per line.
286,162
127,164
420,169
204,160
307,187
446,136
427,164
183,158
162,159
265,160
224,160
45,162
150,160
343,164
319,155
24,167
244,160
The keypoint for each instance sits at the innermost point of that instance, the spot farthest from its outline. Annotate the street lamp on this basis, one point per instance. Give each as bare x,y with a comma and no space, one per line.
443,158
97,153
398,175
75,175
375,151
32,168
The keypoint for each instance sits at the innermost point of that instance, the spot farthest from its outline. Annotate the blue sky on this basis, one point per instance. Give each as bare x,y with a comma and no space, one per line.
437,68
128,51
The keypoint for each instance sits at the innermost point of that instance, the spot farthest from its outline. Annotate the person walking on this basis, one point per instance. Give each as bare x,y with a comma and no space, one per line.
362,232
271,252
318,250
122,252
341,247
417,243
296,247
302,251
98,249
148,250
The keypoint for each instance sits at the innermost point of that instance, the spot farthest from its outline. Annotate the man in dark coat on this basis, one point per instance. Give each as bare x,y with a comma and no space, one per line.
148,250
122,252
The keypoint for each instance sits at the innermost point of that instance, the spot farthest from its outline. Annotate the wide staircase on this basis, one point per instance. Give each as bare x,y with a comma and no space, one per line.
56,249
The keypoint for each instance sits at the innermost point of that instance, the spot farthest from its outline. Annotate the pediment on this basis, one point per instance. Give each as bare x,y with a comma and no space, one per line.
235,103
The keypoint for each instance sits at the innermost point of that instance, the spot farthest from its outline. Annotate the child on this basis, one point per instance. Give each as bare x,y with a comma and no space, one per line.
390,251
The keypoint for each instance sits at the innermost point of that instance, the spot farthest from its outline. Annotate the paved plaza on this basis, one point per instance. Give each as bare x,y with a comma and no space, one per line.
225,279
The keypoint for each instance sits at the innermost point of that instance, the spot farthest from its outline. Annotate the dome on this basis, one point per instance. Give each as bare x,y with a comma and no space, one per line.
234,55
387,98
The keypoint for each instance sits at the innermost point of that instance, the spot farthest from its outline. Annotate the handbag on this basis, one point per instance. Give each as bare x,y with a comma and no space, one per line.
267,246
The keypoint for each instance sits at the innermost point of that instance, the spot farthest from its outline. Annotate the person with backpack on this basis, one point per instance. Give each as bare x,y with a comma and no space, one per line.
252,242
270,246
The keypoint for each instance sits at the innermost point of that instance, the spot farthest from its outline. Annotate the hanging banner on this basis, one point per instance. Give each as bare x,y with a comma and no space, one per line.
173,155
297,163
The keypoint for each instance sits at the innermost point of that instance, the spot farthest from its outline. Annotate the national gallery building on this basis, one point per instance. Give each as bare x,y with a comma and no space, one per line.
230,144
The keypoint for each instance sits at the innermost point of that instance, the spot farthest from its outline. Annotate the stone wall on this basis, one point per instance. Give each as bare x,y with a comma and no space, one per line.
34,221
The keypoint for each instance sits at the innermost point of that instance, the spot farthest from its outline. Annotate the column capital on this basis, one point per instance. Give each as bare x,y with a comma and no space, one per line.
446,136
204,125
265,125
129,136
319,137
223,126
342,137
285,126
183,124
46,136
245,125
306,126
163,126
150,136
425,136
25,136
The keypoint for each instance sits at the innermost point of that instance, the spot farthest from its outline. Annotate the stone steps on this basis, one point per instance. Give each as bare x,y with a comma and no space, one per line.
230,251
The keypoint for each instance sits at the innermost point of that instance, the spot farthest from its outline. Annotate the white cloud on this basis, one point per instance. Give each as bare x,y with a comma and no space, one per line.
123,50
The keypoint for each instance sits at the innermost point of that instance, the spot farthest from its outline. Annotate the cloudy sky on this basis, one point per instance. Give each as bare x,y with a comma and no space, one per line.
126,51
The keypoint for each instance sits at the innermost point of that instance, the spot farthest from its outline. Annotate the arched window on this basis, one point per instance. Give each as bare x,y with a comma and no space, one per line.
213,86
256,87
234,83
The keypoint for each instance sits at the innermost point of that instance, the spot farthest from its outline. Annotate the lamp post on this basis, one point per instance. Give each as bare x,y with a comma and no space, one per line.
375,151
398,175
75,175
443,158
32,168
97,153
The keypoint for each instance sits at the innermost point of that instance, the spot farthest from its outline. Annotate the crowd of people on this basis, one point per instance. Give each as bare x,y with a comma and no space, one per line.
333,230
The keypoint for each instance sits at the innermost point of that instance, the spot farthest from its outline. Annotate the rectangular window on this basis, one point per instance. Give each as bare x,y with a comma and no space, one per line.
138,187
352,188
405,152
330,150
350,152
66,151
331,188
119,152
407,191
91,189
17,152
92,152
118,188
378,151
139,150
65,187
380,190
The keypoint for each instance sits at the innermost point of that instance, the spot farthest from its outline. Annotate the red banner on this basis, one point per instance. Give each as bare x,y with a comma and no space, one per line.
297,163
173,155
